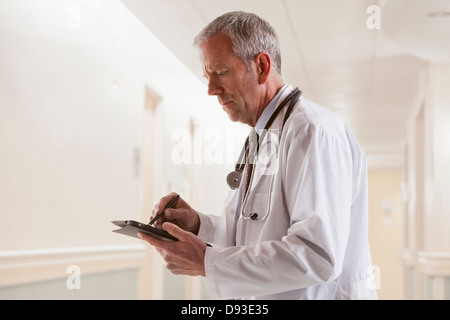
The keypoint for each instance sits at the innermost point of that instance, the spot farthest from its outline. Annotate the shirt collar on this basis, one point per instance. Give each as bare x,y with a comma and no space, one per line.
268,111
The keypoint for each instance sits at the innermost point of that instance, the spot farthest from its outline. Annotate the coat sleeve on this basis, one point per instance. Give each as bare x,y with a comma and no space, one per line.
213,228
317,188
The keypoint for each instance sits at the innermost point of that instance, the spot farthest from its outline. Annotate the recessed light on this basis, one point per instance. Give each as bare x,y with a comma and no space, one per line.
340,105
439,14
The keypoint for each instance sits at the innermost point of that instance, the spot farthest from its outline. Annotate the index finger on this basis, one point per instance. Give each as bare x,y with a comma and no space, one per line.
163,202
159,208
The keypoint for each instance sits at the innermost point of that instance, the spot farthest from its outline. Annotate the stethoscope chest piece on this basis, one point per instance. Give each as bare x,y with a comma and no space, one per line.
234,179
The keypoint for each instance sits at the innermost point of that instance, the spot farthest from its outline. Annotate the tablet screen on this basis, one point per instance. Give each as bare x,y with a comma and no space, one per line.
131,228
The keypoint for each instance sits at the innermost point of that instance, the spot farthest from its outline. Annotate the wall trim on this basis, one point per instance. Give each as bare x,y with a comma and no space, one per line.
434,267
434,263
26,266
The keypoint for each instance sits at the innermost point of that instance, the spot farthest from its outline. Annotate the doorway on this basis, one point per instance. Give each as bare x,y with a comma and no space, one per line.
151,273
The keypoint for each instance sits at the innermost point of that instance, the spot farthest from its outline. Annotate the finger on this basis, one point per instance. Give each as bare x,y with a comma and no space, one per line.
147,238
157,243
182,235
174,214
163,202
151,241
177,232
158,223
170,214
160,208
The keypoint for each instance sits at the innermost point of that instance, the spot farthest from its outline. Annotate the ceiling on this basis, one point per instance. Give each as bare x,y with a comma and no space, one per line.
370,77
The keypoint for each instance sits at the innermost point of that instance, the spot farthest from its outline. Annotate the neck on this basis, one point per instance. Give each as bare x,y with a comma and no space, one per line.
270,93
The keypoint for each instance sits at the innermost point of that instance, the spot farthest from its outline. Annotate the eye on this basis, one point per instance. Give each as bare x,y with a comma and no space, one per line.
221,73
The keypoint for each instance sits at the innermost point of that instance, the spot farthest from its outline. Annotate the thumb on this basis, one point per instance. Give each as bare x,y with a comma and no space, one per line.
177,232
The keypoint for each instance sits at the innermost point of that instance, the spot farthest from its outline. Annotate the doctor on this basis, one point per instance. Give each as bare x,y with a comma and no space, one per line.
296,226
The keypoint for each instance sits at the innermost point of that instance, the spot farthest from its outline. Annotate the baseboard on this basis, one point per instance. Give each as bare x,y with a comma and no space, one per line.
26,266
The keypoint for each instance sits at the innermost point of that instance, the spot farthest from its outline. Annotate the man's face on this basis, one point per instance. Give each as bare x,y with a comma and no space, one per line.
229,79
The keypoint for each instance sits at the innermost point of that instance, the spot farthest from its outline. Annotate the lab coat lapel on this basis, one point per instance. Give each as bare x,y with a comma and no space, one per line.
267,159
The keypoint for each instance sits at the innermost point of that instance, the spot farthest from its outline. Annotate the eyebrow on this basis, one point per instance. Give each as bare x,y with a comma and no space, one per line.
224,67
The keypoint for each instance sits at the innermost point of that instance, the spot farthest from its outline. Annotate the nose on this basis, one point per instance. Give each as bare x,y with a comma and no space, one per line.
214,88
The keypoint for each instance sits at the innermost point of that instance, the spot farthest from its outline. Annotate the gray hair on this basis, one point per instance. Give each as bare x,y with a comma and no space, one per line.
249,35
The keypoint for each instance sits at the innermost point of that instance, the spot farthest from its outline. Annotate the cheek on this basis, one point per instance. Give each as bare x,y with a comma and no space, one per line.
243,88
248,92
240,87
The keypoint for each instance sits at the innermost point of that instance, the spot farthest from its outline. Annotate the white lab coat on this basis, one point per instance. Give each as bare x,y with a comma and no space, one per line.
313,243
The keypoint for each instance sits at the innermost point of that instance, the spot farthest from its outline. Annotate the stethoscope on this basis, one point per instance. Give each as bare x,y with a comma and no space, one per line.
234,178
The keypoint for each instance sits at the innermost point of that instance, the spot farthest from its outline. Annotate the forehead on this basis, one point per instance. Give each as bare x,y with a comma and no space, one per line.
218,52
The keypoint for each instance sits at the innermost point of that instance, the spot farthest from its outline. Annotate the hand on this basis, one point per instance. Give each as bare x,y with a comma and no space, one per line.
181,214
183,257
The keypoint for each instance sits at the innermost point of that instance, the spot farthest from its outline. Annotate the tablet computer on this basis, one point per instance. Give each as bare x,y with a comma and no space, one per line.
131,228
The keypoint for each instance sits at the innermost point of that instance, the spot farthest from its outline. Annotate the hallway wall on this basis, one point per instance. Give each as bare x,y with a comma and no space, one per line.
385,231
72,101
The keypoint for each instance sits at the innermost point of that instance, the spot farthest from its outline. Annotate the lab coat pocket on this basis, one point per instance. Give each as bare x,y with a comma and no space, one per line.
268,155
266,169
262,228
257,206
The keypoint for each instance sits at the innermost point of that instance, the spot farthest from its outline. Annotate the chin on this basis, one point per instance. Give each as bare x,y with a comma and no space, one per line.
233,117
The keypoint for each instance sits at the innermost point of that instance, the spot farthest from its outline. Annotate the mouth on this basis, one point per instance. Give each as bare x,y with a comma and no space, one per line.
223,104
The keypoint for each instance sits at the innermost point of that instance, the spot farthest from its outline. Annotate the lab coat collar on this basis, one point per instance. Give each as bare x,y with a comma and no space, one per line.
269,110
274,133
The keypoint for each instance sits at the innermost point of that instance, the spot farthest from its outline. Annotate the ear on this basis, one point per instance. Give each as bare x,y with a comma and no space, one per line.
263,64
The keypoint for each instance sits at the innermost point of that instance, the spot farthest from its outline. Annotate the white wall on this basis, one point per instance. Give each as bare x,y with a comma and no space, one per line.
426,179
66,140
71,114
438,220
385,231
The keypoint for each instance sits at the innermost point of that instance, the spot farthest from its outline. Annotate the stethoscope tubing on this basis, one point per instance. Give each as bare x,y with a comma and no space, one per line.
295,95
234,178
